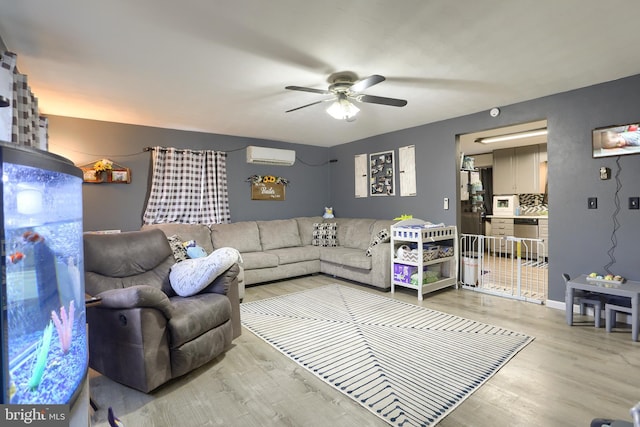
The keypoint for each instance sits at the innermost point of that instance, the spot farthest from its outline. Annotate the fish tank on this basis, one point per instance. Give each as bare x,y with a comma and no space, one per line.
43,319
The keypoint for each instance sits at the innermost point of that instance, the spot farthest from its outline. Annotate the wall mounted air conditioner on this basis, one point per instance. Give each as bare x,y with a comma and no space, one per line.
270,156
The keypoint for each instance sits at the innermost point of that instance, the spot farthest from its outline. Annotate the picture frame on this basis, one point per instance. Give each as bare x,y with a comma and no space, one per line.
616,140
382,172
121,176
90,175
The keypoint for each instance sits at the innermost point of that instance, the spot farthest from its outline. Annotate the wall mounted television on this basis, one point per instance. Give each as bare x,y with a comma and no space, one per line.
616,140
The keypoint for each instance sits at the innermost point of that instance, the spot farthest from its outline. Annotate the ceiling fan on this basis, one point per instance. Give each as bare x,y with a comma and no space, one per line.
345,88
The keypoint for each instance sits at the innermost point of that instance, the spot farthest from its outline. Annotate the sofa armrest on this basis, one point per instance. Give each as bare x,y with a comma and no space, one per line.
137,297
381,254
221,283
227,284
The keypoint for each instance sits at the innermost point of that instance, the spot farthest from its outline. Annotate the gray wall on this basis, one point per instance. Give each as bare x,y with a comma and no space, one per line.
579,238
121,206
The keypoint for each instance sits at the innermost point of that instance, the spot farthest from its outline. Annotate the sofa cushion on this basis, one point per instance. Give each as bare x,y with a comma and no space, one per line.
198,232
254,260
305,228
347,257
279,233
243,235
357,234
193,275
293,255
196,315
324,234
127,259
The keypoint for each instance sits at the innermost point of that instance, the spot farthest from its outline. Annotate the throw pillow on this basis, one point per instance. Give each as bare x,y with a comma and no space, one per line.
193,275
179,251
325,234
381,236
196,252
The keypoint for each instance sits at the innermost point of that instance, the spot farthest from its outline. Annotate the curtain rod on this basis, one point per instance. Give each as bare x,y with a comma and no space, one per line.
179,150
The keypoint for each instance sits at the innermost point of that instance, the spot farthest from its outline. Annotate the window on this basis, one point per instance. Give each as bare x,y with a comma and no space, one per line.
189,187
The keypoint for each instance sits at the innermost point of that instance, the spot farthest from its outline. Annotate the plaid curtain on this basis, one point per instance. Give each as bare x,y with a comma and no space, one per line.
188,187
22,123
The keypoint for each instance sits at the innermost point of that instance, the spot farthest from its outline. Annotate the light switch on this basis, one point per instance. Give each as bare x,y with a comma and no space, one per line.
592,203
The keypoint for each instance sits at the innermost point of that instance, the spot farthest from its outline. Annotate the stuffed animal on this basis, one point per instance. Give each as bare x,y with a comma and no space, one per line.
328,212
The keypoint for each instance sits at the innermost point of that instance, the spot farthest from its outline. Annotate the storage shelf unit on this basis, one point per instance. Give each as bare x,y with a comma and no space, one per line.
416,232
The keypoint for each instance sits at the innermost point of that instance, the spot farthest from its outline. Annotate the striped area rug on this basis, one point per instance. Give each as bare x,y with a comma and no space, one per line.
408,365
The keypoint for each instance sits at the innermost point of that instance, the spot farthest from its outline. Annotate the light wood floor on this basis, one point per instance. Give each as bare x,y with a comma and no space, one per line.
566,377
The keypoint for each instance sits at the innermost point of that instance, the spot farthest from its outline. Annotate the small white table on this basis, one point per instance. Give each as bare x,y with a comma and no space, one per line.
629,289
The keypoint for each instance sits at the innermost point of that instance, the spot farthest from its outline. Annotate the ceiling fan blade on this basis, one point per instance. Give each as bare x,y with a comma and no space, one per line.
308,89
367,82
308,105
394,102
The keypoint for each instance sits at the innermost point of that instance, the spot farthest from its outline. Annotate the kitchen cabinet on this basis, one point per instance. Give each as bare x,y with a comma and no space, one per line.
517,170
543,234
500,229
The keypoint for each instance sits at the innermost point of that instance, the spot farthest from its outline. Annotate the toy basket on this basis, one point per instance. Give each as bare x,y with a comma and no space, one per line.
445,251
431,252
428,254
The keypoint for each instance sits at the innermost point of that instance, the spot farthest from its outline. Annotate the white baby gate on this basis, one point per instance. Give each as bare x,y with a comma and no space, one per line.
507,266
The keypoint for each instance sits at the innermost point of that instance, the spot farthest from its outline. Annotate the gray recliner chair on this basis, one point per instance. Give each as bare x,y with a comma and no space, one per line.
142,334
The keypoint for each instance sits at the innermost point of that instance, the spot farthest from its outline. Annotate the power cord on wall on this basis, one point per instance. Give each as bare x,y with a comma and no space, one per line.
616,224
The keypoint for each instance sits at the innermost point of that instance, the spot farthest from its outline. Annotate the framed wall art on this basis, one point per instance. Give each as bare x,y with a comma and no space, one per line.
268,187
105,170
382,171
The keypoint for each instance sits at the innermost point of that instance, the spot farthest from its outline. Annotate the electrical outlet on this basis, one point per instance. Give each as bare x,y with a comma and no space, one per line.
446,203
592,203
634,202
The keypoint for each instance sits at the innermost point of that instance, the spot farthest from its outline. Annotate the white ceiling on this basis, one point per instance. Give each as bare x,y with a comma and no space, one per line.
220,66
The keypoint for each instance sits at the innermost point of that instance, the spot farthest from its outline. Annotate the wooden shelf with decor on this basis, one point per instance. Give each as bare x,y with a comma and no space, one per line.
105,171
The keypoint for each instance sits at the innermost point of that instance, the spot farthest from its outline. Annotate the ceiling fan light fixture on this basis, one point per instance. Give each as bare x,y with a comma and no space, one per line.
342,109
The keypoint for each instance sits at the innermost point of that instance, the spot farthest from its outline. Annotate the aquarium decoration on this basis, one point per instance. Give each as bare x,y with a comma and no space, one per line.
41,357
64,326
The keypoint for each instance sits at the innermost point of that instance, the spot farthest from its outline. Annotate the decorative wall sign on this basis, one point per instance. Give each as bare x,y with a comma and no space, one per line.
268,187
382,171
105,170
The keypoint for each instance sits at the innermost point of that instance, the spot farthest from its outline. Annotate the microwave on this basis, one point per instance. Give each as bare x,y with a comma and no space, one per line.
506,205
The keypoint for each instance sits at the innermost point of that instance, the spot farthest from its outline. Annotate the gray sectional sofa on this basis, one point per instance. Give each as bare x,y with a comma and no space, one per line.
280,249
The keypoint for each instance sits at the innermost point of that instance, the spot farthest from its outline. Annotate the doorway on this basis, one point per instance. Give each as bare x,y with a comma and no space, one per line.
485,163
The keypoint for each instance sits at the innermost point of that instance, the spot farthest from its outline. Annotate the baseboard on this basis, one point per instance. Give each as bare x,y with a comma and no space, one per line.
561,305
